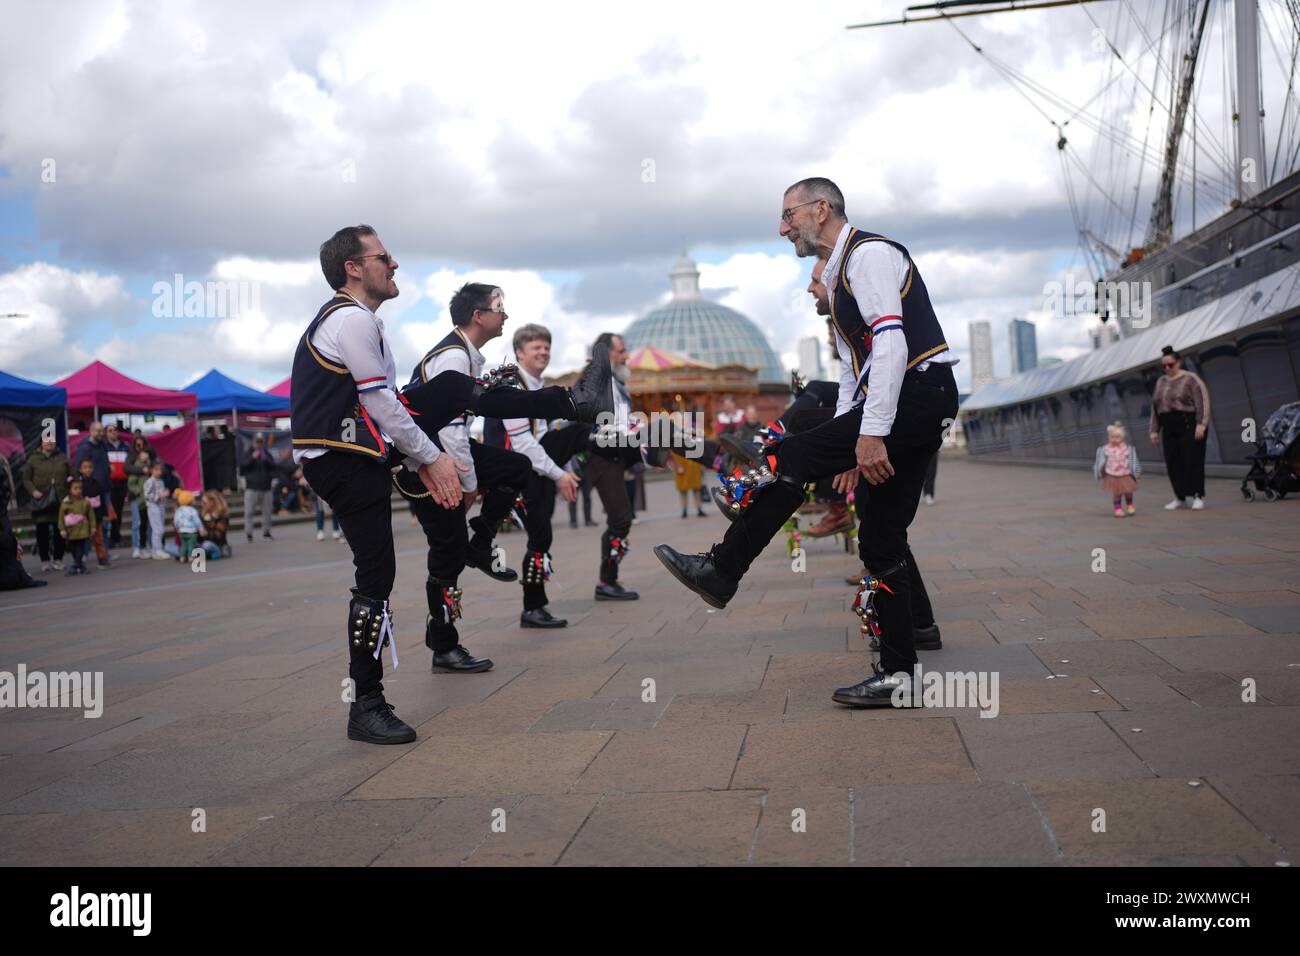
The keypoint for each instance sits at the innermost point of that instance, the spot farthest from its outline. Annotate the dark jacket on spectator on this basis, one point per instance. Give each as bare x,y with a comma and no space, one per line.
97,452
260,473
47,474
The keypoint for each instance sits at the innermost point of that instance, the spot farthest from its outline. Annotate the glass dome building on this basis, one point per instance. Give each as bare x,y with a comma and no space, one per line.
706,331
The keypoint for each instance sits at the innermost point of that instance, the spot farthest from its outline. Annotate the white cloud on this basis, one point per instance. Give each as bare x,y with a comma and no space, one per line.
44,306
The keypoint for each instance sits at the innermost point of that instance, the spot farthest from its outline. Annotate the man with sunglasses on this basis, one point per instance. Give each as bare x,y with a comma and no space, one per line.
478,315
896,396
351,426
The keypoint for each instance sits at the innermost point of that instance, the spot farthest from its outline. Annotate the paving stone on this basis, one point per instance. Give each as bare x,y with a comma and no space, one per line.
667,758
804,826
343,833
1146,819
668,829
949,824
852,754
1226,740
1096,658
1270,803
700,710
703,675
1047,747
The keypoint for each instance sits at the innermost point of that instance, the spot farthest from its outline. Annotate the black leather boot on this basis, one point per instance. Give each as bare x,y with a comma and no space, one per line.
481,553
537,571
593,393
440,635
700,573
370,717
612,549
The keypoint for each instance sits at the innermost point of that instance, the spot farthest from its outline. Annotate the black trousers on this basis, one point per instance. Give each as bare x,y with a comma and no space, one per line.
816,394
117,494
47,535
359,488
802,421
931,473
927,399
607,478
502,476
1184,455
560,444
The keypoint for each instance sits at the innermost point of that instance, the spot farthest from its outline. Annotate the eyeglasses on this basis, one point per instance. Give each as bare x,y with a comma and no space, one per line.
1168,364
383,257
787,215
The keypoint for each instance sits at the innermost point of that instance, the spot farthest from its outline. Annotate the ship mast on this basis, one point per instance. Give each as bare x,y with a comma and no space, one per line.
1161,226
1250,131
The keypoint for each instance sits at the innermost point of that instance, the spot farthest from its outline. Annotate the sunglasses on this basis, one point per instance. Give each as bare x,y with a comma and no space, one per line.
383,257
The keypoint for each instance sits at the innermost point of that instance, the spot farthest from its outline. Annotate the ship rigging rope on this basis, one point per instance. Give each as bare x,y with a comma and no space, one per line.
1117,135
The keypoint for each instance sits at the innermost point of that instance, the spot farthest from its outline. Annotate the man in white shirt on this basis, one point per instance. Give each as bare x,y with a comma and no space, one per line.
547,450
897,395
478,316
350,424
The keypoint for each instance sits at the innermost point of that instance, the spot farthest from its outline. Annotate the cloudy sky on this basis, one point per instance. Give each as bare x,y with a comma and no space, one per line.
567,152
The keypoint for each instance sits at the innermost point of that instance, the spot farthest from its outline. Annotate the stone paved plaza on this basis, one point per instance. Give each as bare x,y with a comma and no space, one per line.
1120,691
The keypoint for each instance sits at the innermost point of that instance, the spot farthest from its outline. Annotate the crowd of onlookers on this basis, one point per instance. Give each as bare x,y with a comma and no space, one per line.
79,505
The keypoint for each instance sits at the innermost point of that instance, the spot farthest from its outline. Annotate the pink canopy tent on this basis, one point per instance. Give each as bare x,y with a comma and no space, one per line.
99,389
282,389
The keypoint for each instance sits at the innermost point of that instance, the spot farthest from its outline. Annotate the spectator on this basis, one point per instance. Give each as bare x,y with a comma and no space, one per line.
258,469
584,488
155,497
291,489
321,508
45,476
96,495
1180,415
118,451
216,521
138,468
688,476
13,575
95,450
188,524
77,524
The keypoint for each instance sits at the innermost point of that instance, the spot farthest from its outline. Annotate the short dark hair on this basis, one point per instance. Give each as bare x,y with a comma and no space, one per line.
470,296
818,187
529,333
338,249
607,339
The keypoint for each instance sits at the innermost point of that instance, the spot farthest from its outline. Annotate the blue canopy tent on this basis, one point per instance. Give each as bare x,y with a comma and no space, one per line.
27,412
220,394
30,405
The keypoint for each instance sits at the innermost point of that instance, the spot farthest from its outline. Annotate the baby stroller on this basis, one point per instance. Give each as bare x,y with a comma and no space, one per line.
1276,469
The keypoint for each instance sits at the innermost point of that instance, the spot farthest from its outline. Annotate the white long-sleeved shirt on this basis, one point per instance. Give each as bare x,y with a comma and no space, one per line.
526,439
354,338
455,437
877,272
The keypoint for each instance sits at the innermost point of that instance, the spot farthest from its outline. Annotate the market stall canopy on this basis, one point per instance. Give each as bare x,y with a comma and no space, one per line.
282,389
18,392
99,387
220,393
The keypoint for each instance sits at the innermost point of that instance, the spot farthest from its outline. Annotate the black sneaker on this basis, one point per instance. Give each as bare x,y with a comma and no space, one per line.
540,617
607,591
485,561
876,691
371,720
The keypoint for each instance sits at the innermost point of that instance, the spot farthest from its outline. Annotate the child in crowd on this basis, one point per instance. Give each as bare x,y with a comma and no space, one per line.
137,472
98,498
155,497
77,525
187,523
216,521
1117,468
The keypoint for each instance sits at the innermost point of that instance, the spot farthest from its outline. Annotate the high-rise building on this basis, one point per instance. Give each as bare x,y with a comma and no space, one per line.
1107,334
981,354
1024,345
810,358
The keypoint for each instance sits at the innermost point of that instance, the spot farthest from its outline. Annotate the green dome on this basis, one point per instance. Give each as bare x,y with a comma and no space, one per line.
706,331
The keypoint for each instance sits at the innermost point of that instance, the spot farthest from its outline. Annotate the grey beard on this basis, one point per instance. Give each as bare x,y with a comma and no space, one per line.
622,373
805,247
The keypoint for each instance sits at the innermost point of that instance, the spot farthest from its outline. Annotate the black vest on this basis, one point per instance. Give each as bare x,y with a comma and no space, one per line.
453,340
324,410
920,325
